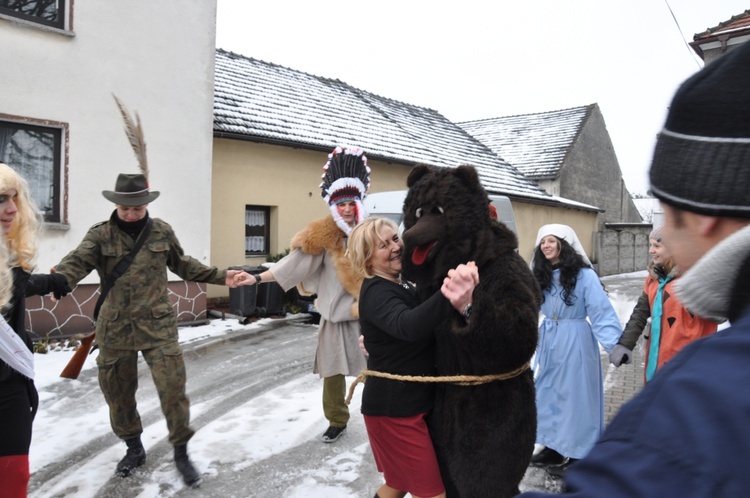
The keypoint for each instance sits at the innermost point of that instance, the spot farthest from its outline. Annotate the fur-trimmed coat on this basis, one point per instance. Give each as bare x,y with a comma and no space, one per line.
318,265
323,235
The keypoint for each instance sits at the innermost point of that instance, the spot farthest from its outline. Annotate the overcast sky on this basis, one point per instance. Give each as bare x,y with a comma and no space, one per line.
478,59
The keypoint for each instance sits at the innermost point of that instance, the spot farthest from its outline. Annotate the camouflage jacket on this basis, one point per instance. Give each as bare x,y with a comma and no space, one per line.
137,313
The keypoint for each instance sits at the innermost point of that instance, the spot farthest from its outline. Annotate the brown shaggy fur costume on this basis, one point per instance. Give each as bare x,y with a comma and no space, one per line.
484,434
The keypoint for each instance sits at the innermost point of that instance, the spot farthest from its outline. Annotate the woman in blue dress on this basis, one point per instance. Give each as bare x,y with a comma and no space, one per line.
567,365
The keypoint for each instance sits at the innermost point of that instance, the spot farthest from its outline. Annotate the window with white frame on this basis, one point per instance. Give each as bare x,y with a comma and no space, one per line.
47,12
35,153
257,220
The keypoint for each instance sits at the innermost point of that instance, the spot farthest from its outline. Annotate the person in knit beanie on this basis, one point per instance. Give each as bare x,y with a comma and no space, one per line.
685,433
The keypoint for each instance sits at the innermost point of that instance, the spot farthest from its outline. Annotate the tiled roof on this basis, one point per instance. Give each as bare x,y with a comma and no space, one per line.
266,102
535,144
738,23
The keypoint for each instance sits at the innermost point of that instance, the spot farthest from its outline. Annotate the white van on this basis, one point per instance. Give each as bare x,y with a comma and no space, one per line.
391,205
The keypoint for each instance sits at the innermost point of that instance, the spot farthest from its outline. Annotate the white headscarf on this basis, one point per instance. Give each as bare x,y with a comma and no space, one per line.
563,232
14,352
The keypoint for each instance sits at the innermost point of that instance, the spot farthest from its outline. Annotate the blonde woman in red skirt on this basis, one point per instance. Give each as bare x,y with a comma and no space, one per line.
398,337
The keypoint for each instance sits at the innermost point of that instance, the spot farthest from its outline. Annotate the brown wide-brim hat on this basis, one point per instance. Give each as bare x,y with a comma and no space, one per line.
130,190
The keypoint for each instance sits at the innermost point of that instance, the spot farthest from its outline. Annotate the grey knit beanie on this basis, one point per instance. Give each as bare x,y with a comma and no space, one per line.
701,161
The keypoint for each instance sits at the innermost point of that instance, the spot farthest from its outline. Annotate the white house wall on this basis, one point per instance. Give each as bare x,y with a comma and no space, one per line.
158,57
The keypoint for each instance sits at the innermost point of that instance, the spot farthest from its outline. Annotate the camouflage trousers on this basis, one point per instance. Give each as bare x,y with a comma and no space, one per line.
118,380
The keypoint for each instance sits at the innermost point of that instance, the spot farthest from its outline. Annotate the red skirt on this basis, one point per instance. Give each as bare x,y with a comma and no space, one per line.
404,453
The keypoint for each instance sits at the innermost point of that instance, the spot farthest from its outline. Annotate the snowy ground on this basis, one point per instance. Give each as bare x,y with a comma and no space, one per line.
234,445
266,426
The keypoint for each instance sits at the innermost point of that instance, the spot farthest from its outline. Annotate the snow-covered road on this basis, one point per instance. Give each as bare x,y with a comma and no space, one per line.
255,405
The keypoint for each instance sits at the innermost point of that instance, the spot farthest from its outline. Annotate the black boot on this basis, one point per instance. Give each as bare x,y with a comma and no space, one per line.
189,475
135,457
547,457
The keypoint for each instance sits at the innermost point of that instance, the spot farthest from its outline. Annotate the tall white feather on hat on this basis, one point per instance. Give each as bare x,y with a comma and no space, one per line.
132,189
346,177
134,132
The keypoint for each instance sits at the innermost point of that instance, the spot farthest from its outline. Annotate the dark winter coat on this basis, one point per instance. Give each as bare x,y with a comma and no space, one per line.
398,337
24,285
18,396
483,434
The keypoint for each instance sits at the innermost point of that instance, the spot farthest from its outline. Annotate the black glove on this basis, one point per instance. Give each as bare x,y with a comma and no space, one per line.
620,354
59,285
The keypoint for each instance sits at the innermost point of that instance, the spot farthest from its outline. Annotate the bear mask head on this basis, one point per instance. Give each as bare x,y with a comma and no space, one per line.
447,222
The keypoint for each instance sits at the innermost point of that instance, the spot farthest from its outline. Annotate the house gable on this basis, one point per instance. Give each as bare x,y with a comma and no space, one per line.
535,144
568,151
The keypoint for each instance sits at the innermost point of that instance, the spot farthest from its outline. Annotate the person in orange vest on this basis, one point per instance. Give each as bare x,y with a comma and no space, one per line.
672,325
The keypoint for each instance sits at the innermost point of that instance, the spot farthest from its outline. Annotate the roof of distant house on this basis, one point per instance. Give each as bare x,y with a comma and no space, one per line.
740,22
265,102
732,32
535,144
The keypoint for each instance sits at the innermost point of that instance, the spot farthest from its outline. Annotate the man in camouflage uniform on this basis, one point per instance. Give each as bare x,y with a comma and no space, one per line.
137,316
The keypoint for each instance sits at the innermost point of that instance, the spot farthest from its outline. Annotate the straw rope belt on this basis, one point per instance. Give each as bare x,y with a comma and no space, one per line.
460,380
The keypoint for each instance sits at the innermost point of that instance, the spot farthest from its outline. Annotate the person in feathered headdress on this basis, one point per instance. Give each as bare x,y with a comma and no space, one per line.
140,292
346,179
318,265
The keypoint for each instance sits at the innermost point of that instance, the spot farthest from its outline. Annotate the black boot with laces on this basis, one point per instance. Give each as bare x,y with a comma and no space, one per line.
135,457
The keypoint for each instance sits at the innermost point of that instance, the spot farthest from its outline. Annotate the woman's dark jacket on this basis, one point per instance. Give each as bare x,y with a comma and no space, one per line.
398,338
24,285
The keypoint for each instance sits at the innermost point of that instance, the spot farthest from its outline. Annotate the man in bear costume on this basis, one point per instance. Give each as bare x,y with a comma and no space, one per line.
483,433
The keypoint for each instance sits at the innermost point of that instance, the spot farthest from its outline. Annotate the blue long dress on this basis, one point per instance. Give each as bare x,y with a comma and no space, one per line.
567,366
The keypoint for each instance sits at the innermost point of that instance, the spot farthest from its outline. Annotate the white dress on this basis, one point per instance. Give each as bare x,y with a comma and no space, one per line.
567,366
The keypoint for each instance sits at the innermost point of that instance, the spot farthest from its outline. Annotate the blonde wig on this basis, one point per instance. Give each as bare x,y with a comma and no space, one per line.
24,231
364,240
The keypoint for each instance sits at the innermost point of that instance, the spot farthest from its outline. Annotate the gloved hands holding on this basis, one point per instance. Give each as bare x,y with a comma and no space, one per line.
59,285
620,354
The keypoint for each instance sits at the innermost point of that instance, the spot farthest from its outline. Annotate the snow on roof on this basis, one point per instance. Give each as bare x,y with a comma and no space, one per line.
535,144
578,205
267,102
